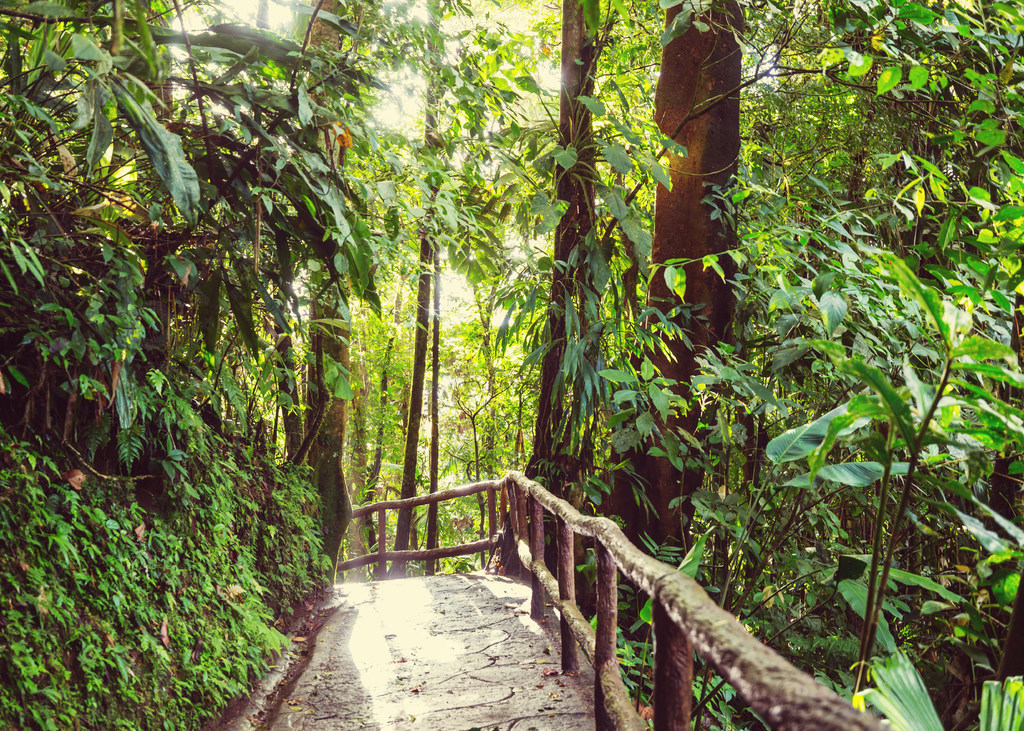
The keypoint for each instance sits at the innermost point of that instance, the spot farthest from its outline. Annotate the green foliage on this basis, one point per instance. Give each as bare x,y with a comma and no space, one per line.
901,695
124,616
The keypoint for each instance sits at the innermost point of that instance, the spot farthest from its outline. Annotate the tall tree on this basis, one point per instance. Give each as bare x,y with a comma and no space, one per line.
435,431
403,528
697,106
327,452
574,188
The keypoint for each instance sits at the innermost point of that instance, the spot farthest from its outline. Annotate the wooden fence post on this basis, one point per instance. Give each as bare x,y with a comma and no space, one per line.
382,543
513,511
524,528
566,592
537,553
607,624
492,519
492,513
673,673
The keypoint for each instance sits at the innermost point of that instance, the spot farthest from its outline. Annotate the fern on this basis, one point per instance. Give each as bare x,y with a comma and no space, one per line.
129,445
97,434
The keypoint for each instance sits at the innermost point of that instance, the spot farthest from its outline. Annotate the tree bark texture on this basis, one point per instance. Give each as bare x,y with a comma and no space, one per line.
697,105
573,187
288,386
327,454
435,431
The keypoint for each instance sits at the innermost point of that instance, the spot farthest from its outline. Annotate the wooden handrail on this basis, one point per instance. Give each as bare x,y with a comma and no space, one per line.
685,620
381,556
436,497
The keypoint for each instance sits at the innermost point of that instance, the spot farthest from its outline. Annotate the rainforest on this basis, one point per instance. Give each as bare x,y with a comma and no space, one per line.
742,276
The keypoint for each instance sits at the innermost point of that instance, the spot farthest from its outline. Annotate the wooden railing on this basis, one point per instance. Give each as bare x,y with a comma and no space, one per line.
685,618
381,556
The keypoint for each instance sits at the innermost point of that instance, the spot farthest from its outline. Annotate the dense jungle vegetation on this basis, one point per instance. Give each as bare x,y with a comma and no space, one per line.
744,276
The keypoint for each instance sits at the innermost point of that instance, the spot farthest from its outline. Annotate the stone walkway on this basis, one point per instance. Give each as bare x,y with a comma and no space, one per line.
451,653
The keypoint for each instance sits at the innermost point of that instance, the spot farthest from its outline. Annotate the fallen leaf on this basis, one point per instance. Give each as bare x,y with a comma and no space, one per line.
42,604
164,637
74,478
647,713
539,685
299,639
24,566
549,672
140,530
115,378
67,160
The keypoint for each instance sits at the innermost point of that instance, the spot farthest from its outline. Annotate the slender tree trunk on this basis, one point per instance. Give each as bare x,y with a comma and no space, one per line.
327,455
427,247
697,105
574,131
289,388
415,412
373,477
357,466
435,431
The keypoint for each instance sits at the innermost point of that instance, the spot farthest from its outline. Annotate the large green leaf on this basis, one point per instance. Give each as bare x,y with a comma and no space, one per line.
901,695
690,564
801,441
1002,706
928,297
164,151
909,579
874,378
855,474
833,309
855,592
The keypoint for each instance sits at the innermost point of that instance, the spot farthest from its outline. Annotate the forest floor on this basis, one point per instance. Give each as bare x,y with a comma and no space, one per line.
444,652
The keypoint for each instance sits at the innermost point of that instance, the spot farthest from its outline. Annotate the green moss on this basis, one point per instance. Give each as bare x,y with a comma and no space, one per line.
102,628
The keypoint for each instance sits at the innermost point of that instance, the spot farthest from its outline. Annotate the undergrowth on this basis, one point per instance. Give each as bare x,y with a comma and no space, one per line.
116,615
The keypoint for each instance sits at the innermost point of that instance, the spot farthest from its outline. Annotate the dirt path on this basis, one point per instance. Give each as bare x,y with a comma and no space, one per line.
446,652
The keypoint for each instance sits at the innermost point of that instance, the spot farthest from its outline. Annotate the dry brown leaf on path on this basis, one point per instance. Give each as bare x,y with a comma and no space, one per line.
164,637
299,639
74,478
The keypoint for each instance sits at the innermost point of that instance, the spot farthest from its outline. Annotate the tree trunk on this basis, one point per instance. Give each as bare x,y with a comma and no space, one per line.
572,186
326,454
435,431
357,546
288,387
697,105
415,411
419,359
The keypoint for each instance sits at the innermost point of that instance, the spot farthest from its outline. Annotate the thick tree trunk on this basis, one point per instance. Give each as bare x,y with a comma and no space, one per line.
697,105
548,461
